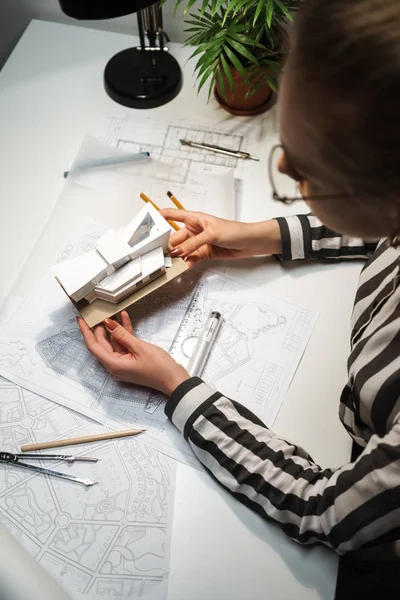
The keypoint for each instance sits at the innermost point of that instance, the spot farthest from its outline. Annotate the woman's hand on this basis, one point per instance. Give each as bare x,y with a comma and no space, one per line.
132,360
207,237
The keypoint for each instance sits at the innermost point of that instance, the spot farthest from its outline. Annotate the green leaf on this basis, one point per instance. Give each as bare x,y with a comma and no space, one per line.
187,7
178,3
269,10
210,89
206,75
221,83
206,66
217,6
241,5
240,49
259,8
236,63
204,7
228,73
249,41
229,9
284,9
196,52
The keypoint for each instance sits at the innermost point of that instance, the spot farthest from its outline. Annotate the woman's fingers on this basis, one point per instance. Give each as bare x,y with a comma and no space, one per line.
192,244
194,258
101,336
106,358
122,336
178,237
126,322
182,216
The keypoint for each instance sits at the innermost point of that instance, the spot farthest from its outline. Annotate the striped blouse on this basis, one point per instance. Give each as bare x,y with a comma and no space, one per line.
352,508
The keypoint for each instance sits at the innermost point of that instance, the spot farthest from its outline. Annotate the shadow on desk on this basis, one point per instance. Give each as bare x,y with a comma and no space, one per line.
313,567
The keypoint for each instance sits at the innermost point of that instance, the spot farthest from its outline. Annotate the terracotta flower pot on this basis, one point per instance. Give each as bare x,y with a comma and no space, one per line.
262,99
236,102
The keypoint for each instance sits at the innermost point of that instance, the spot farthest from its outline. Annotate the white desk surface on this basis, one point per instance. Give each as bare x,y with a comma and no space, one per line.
51,94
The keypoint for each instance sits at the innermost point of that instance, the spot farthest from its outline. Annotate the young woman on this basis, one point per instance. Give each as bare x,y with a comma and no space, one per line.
340,133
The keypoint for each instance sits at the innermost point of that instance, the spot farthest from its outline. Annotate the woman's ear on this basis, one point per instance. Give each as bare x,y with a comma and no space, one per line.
286,168
304,188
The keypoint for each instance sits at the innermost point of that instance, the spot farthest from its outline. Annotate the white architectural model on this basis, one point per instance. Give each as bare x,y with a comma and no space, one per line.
122,262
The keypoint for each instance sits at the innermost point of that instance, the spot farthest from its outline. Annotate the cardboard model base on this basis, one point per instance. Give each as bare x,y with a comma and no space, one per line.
99,310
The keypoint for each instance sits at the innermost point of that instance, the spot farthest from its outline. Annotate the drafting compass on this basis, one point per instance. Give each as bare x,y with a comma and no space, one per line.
14,459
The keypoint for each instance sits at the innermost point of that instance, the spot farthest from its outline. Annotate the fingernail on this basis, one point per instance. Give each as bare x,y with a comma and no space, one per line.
176,252
110,324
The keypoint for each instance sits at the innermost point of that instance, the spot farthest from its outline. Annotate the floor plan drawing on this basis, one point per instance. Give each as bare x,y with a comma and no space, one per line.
164,142
121,175
111,540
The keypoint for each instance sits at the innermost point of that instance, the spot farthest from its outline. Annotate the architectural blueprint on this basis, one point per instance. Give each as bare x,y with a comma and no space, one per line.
161,138
110,540
260,345
41,349
205,187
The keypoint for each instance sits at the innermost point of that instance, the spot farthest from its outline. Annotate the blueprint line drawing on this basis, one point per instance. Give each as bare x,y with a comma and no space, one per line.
49,358
162,140
258,348
199,184
171,151
294,337
112,541
253,361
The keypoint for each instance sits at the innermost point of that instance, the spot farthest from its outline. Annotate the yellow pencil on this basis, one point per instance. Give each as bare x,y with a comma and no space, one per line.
175,201
147,199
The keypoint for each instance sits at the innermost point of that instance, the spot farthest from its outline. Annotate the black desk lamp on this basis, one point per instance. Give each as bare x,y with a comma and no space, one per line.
143,77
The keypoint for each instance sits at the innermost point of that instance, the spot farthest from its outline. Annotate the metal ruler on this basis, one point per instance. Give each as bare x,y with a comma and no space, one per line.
185,338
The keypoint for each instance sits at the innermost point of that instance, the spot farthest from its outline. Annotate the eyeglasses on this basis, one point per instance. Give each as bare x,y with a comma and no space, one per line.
279,181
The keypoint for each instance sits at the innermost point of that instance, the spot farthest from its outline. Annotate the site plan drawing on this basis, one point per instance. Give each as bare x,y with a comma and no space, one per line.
257,353
258,349
110,540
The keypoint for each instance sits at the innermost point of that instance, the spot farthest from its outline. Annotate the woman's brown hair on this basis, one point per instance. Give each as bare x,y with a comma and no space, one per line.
345,61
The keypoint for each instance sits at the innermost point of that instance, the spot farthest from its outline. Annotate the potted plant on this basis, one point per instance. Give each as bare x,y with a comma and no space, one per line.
240,45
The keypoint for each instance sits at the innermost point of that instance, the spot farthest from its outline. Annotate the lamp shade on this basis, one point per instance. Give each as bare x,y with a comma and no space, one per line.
102,9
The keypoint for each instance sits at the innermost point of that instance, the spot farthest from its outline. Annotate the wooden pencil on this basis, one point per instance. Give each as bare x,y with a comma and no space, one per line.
81,440
147,199
175,201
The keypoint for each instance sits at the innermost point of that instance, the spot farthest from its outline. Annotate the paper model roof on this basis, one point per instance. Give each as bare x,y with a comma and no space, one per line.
75,274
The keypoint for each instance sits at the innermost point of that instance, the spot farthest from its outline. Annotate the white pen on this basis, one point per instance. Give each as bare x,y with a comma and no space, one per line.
205,344
219,149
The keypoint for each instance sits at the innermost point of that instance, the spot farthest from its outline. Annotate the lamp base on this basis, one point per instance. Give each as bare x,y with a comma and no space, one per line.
142,78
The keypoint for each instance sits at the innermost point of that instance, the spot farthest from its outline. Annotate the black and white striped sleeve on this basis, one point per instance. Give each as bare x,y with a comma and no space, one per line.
349,508
304,236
